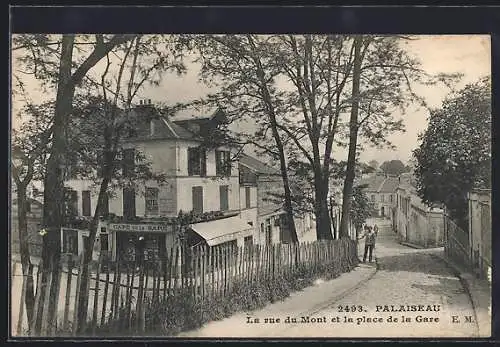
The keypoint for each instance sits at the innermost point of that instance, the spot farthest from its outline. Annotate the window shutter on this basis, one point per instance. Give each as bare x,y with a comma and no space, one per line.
203,162
128,202
86,207
224,198
247,197
197,193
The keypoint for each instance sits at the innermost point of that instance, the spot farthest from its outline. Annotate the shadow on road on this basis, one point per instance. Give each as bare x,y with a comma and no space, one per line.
412,262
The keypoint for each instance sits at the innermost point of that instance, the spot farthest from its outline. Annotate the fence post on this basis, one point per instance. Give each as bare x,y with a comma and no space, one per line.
23,296
105,298
96,298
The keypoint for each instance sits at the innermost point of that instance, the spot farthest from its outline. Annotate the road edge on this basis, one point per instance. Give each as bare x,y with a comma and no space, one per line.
467,281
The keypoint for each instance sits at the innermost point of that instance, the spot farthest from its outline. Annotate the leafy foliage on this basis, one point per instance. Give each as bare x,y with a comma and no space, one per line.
393,167
360,207
455,153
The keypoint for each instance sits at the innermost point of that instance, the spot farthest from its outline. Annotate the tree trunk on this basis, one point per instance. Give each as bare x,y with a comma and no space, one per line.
353,139
279,144
53,216
24,249
321,210
109,158
286,186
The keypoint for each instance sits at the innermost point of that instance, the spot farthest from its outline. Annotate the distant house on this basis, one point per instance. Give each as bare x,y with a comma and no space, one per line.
415,222
380,189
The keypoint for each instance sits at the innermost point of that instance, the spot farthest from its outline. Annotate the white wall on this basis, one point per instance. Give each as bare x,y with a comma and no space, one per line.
161,154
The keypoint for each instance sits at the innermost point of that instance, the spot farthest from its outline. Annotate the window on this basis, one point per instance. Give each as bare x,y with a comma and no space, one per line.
70,241
247,197
86,208
392,199
28,205
71,202
128,162
373,197
151,197
224,198
197,193
223,163
104,242
128,202
197,163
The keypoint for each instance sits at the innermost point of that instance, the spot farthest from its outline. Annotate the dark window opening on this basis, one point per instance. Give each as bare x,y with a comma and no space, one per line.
224,198
128,162
197,194
86,203
128,203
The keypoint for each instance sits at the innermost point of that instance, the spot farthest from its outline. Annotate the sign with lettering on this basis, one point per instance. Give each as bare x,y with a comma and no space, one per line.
141,227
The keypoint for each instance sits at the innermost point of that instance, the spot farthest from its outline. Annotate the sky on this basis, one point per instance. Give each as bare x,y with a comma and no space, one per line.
467,54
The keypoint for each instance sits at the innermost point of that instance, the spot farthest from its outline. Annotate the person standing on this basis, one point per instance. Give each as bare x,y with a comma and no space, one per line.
369,237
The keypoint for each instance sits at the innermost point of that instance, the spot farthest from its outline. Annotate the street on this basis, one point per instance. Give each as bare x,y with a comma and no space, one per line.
409,293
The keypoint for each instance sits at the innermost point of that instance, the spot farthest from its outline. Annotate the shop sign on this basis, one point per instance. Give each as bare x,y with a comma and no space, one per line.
144,228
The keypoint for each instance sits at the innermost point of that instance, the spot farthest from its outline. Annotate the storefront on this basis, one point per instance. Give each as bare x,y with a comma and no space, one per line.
133,243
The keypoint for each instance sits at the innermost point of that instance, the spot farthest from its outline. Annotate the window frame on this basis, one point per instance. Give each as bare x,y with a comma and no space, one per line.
151,201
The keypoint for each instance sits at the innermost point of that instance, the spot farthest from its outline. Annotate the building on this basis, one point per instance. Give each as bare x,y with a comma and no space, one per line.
141,219
415,222
380,189
34,220
262,188
480,230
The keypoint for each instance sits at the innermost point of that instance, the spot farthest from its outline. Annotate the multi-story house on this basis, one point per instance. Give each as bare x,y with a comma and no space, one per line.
381,189
199,179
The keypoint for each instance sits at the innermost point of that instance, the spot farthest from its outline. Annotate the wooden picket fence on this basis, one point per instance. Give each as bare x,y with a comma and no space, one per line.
120,293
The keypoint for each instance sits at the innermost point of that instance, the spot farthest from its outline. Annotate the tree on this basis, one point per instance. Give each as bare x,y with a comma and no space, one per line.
103,123
243,68
393,167
30,145
59,69
360,208
381,83
455,153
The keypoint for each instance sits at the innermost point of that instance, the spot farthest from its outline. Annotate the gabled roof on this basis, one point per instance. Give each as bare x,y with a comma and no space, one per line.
380,183
164,128
256,165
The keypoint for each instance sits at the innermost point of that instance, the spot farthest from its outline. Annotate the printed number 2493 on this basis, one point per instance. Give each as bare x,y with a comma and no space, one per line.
351,308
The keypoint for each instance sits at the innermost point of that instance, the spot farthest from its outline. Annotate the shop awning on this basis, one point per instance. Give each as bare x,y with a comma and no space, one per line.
222,230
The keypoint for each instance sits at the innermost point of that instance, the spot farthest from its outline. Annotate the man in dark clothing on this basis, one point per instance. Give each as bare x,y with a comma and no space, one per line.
369,237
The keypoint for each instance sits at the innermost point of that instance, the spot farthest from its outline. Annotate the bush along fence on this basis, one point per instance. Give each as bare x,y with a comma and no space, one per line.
189,287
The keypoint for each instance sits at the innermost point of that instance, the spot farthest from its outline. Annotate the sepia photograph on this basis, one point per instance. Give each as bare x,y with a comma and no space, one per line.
250,185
